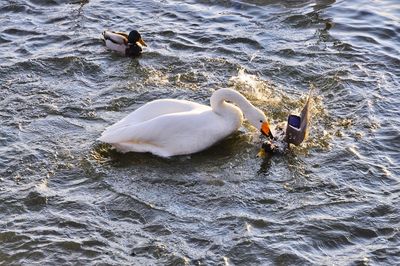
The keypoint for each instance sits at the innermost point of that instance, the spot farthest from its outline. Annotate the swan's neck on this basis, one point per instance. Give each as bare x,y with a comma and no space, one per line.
220,106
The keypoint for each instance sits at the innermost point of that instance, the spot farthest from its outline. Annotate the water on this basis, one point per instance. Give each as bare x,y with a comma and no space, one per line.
68,199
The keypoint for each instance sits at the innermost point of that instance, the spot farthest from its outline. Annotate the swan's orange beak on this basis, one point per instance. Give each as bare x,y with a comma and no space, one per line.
142,42
266,131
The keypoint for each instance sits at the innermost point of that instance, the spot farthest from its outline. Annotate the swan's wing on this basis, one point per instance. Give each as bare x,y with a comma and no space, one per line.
157,108
136,133
179,131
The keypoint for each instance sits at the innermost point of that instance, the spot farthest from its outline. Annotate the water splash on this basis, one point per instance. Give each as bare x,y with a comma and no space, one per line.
278,104
251,85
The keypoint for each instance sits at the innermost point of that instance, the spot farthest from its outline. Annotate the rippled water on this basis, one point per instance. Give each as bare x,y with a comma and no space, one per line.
68,199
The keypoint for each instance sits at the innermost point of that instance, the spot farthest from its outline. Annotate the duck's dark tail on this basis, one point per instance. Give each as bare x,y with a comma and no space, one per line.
103,36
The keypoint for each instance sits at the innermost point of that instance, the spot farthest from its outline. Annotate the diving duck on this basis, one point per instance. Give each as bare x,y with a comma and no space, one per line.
296,132
169,127
129,45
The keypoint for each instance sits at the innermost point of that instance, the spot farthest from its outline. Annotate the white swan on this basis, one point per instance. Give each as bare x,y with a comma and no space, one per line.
171,127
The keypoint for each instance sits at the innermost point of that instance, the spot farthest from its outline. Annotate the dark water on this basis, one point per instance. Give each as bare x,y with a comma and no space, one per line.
67,199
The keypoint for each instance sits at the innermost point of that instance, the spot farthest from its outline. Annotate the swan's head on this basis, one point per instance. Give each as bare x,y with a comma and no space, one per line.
258,119
135,37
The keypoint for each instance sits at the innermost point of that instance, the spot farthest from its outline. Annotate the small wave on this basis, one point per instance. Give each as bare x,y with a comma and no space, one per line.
13,8
20,32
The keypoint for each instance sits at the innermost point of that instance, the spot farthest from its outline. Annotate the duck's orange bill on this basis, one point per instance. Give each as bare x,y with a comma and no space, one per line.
265,130
142,42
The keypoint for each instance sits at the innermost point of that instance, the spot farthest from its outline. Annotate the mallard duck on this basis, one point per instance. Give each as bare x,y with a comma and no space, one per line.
170,127
129,45
296,131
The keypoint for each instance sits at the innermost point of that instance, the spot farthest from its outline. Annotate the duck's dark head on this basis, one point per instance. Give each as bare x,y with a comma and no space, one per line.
135,37
268,148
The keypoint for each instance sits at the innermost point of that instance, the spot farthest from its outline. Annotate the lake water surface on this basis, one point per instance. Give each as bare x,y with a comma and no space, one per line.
65,198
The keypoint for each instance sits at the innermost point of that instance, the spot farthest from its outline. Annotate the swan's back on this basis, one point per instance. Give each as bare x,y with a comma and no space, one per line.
155,109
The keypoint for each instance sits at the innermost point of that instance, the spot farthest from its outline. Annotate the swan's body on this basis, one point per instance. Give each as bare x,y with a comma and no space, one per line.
171,127
126,44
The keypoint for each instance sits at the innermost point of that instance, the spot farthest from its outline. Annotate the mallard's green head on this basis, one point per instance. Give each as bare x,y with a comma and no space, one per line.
135,37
